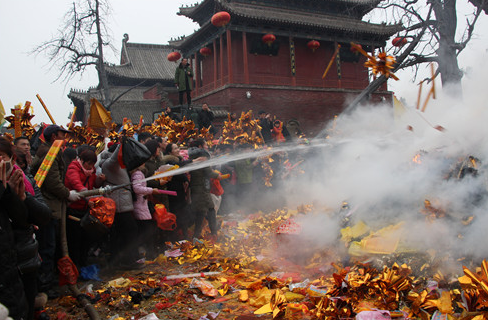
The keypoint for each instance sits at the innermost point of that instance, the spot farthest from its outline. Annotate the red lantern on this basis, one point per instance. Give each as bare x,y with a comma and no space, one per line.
269,39
205,51
399,41
220,19
355,48
313,44
174,56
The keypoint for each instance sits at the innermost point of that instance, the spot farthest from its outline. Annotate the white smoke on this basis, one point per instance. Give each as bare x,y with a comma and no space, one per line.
370,165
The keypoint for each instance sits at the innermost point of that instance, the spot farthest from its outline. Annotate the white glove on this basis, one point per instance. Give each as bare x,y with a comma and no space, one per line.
73,196
4,312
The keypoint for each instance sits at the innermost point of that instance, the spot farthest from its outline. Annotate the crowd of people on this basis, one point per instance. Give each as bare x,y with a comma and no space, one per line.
31,216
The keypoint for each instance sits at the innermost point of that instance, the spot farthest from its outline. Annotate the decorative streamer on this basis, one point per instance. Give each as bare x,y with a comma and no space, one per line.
338,62
336,52
45,108
17,111
292,57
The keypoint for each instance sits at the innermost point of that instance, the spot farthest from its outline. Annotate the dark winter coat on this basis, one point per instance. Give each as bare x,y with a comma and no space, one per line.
173,116
177,183
266,127
180,74
152,165
53,189
12,295
205,118
200,189
26,245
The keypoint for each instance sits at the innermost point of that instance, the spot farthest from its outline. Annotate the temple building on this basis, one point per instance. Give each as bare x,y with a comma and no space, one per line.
273,55
143,84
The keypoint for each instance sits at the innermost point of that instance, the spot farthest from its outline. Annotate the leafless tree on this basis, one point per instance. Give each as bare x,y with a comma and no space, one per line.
80,43
433,23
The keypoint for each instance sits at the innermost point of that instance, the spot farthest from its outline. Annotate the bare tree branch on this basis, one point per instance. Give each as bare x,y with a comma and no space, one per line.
80,43
438,42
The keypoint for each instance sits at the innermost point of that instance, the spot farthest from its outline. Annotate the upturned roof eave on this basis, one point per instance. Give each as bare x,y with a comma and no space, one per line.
192,12
188,42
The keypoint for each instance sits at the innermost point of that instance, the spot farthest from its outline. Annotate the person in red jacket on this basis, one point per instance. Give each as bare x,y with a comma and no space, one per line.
277,132
80,176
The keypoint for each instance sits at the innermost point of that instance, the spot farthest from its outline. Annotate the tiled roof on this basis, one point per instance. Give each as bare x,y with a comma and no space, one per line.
324,23
195,11
189,10
319,20
131,105
133,94
134,109
144,61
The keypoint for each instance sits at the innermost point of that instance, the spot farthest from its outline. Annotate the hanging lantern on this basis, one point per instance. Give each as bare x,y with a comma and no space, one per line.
399,41
269,39
313,44
205,51
356,48
220,19
174,56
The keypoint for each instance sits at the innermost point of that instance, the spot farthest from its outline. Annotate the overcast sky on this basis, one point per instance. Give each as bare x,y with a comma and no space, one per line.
27,23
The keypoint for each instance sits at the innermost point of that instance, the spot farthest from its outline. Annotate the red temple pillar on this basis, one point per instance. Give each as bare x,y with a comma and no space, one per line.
372,53
229,55
384,86
244,56
221,60
197,74
215,63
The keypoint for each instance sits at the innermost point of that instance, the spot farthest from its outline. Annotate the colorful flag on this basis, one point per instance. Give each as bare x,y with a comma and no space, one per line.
99,116
48,162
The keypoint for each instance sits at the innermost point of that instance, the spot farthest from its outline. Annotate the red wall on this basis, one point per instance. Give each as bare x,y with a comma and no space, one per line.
276,70
274,89
311,108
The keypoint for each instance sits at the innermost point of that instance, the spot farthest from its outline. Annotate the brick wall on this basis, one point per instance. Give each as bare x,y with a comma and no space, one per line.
312,108
154,93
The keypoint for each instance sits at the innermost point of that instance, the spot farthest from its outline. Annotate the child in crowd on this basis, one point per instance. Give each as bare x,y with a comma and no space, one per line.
145,224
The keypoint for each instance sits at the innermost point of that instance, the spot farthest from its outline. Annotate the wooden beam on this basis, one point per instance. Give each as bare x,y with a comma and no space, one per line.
244,57
221,60
197,74
229,55
215,63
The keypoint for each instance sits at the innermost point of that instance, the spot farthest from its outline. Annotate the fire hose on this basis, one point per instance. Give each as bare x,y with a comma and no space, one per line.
109,189
83,299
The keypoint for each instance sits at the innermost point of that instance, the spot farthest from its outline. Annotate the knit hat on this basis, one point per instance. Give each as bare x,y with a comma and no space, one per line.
194,153
152,145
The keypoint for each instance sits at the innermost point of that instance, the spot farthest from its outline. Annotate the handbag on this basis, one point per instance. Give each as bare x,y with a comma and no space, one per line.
102,208
134,153
165,220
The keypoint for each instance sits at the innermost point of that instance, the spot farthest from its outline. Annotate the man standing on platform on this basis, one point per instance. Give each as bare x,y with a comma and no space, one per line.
205,118
184,80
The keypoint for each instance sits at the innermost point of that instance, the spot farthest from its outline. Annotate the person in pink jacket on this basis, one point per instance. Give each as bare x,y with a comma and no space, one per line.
145,224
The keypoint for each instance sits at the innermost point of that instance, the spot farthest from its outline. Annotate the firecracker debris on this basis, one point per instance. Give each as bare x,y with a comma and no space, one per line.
247,273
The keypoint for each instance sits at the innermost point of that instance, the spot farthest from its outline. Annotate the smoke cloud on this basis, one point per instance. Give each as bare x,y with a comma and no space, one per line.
385,163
